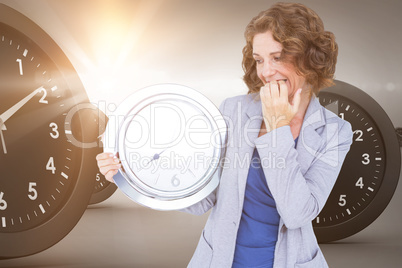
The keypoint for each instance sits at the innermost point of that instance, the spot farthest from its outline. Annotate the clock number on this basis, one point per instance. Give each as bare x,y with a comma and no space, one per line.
3,203
175,181
342,115
98,177
360,135
54,127
360,183
50,165
42,100
33,194
366,159
20,65
342,200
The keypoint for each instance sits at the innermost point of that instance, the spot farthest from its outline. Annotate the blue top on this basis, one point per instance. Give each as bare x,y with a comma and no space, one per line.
258,230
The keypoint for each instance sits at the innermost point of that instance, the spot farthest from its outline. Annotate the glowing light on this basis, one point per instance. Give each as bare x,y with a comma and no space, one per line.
106,61
114,40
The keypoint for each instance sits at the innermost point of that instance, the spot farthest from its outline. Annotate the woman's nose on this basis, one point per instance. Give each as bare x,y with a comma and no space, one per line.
268,70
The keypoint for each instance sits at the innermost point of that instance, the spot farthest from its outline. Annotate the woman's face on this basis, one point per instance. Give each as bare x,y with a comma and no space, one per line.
267,52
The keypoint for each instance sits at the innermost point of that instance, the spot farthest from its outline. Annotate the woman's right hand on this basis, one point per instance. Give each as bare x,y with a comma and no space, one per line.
108,165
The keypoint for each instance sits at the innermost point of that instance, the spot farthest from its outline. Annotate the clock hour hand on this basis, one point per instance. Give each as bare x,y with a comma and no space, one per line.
7,114
2,137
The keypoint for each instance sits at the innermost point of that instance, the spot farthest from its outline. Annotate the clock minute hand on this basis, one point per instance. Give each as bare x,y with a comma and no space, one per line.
7,114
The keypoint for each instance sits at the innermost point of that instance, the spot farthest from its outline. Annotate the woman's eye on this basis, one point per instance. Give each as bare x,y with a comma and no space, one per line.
276,59
258,61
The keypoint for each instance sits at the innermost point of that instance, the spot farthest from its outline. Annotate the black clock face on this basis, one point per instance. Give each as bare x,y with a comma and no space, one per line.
35,153
364,166
370,172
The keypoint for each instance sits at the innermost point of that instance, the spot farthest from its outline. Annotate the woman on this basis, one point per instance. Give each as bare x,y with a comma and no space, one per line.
286,150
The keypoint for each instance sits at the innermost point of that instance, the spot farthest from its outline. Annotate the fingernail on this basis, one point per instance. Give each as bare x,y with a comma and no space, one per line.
111,155
299,90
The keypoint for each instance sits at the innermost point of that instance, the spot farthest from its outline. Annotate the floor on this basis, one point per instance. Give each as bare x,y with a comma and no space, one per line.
120,233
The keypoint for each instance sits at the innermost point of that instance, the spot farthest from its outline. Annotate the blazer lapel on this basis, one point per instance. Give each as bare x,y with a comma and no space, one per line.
310,139
249,126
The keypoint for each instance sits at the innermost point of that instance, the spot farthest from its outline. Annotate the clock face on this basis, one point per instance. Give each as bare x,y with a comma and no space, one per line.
43,187
370,172
35,153
168,148
364,166
170,140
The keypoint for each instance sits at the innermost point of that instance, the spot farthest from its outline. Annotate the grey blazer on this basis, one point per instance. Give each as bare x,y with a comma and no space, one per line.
300,180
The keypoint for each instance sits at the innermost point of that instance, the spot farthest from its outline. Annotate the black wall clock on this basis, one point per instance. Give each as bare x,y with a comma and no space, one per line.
44,187
370,173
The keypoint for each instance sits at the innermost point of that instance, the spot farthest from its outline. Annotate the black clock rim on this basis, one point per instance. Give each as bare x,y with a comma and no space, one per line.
41,237
392,166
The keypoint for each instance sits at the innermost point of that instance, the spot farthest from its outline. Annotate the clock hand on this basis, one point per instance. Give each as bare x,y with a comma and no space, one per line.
156,156
2,142
2,137
7,114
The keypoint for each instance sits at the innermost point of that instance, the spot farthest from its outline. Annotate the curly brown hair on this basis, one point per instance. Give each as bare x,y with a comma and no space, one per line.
312,50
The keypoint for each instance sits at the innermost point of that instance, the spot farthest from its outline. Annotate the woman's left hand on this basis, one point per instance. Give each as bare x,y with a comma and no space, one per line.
276,109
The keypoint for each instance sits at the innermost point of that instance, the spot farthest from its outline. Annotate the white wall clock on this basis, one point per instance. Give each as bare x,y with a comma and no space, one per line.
170,139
